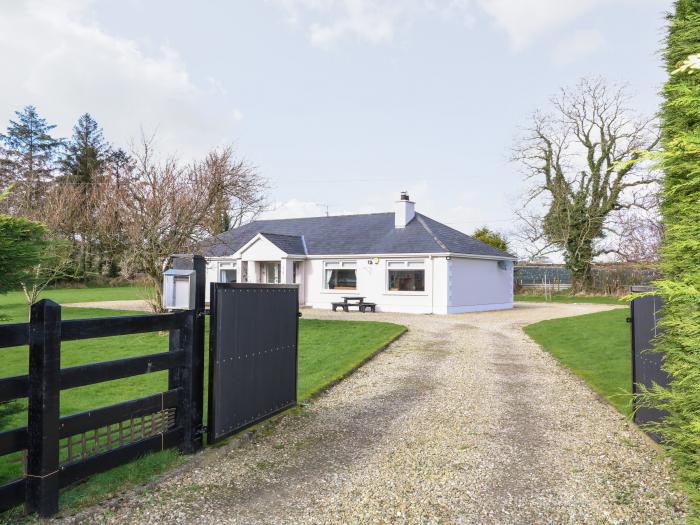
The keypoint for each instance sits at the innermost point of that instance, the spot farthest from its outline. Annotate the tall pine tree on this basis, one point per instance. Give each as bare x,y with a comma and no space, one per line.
680,338
86,152
28,157
85,161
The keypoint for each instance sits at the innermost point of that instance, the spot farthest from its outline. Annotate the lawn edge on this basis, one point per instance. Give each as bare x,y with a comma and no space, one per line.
628,419
571,371
314,394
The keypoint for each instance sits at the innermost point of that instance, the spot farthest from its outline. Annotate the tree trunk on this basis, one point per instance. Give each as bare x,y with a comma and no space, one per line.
579,260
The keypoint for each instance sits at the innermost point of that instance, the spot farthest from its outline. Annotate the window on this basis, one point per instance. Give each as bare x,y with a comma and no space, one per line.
296,272
271,272
340,275
228,272
406,276
227,276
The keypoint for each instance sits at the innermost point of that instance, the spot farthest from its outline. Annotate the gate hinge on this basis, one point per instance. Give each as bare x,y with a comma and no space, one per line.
201,429
628,319
298,314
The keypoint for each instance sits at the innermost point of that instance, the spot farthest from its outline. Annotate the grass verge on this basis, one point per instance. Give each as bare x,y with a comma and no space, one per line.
596,347
567,298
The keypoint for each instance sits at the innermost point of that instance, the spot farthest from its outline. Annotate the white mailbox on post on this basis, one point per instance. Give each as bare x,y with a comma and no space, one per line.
178,289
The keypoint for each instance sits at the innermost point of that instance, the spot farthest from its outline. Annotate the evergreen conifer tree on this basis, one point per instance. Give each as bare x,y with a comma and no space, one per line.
28,156
86,152
680,288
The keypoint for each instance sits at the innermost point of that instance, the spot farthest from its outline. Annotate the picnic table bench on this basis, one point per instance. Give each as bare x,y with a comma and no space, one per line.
354,301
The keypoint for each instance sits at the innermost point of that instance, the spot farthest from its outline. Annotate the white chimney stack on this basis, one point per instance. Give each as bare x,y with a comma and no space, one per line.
404,211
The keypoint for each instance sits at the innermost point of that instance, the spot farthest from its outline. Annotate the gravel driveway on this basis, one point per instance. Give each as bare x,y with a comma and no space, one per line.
463,420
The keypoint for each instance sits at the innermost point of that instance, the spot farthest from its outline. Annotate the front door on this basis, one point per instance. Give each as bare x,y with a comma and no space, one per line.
270,272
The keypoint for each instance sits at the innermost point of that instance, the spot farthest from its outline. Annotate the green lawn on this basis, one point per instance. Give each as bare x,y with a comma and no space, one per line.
328,350
566,298
13,308
596,347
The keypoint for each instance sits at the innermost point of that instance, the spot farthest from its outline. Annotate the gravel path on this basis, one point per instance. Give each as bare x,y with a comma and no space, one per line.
463,420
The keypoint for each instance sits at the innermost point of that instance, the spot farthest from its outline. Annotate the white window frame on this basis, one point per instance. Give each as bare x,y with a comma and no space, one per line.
405,264
338,265
227,265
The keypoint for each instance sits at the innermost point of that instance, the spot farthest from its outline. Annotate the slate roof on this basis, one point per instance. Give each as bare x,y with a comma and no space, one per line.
289,244
372,233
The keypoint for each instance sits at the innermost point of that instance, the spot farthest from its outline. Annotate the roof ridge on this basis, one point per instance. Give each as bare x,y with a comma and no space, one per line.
441,244
503,252
280,234
324,217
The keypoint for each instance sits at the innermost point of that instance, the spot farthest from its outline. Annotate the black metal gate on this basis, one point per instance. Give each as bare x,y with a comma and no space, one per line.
646,364
253,354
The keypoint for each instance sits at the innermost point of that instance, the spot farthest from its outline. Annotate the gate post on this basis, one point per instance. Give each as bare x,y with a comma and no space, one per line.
191,339
43,411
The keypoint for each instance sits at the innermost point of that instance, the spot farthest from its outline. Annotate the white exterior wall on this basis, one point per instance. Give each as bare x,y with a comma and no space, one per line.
262,250
372,284
453,285
479,284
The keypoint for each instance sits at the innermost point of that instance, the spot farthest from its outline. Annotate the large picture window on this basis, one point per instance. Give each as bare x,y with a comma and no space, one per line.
406,276
340,275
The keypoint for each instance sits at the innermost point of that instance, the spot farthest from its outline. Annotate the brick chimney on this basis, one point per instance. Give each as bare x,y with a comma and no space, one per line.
404,211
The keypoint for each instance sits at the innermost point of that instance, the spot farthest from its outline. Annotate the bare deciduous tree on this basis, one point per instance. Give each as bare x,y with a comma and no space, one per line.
583,159
636,234
56,264
165,207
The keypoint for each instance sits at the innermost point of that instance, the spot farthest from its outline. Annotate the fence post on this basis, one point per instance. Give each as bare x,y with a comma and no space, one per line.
43,412
190,339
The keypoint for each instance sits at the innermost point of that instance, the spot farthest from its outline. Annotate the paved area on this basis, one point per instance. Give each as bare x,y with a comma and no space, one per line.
136,305
464,420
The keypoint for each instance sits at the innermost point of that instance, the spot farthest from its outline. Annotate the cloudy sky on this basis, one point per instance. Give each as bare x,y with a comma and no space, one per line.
341,104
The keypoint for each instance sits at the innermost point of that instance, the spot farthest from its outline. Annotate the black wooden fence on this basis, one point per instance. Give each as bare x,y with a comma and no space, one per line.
63,450
254,359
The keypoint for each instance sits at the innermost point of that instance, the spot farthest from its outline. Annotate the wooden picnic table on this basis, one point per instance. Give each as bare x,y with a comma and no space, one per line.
354,300
348,298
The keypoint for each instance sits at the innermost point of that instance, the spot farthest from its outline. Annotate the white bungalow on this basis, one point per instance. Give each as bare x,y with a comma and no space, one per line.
402,261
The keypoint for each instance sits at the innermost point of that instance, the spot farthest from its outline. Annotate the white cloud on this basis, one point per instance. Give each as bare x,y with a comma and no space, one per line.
294,208
467,216
525,20
65,64
577,46
377,21
372,21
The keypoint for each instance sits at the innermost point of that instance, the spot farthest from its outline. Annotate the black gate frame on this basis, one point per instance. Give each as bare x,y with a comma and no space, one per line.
646,362
213,342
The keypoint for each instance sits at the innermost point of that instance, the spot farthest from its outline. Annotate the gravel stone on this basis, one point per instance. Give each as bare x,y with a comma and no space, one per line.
463,420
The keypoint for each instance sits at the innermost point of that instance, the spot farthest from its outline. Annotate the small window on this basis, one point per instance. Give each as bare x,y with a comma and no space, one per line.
340,275
406,276
227,276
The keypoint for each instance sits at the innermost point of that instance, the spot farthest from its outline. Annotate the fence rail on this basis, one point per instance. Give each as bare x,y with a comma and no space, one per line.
63,450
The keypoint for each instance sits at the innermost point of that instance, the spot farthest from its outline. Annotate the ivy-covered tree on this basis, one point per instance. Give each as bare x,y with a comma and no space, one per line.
491,237
581,159
28,157
680,253
86,152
